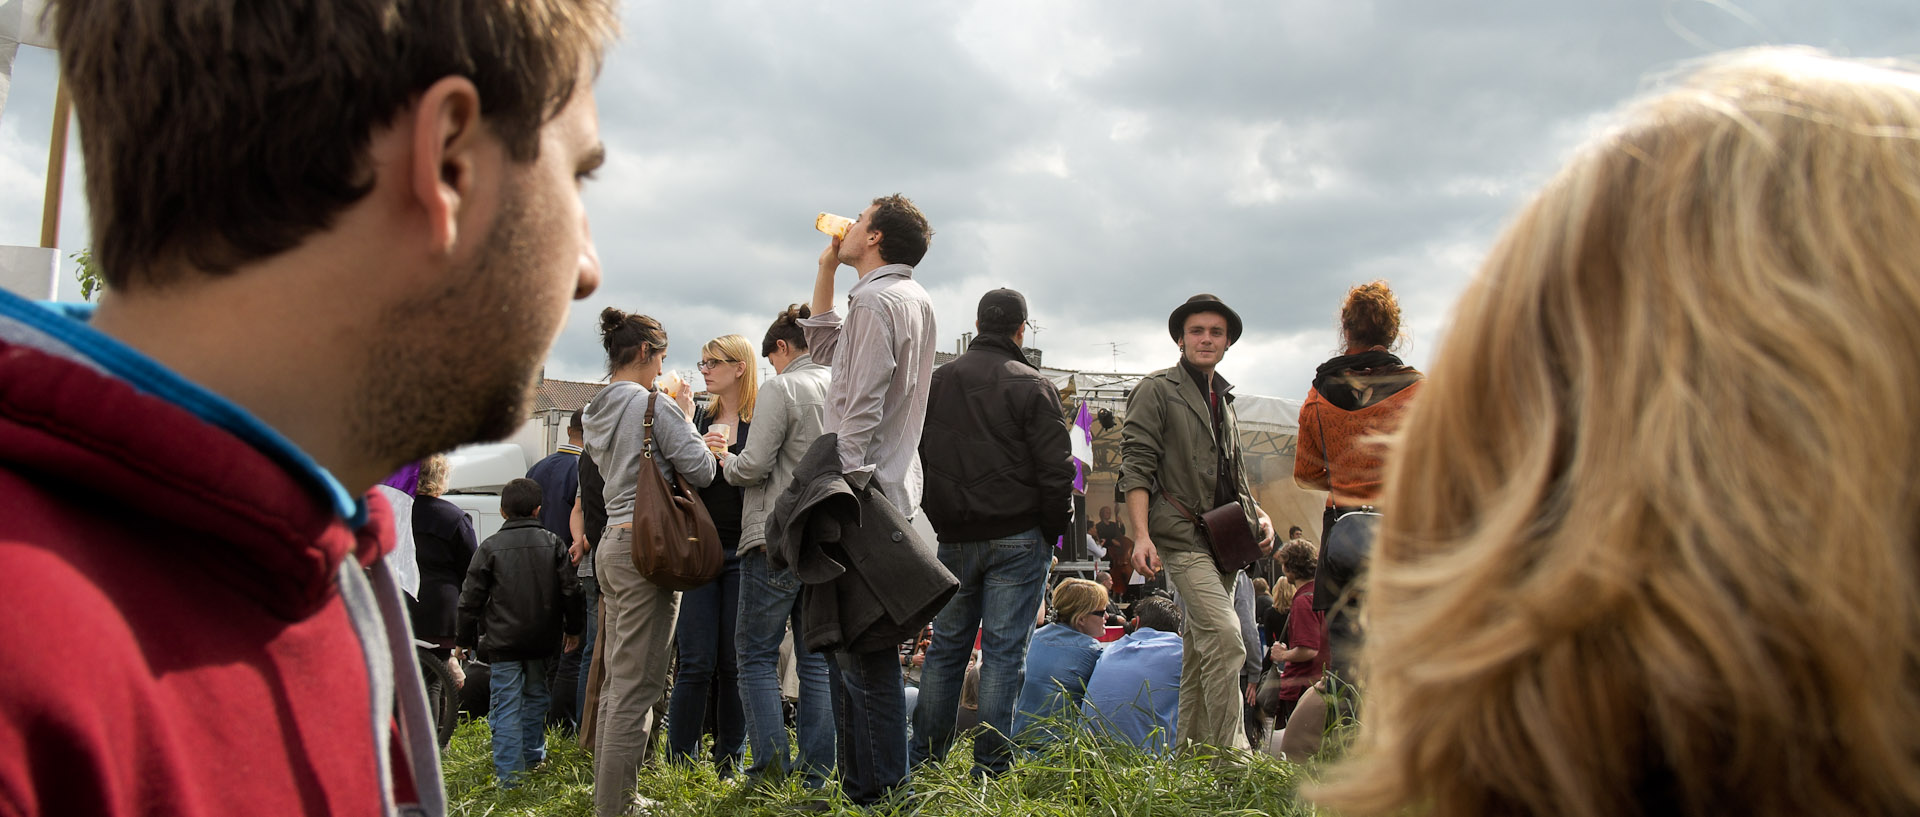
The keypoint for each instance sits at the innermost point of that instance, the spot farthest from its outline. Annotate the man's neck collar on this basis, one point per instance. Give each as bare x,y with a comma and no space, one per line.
1003,343
1197,373
889,269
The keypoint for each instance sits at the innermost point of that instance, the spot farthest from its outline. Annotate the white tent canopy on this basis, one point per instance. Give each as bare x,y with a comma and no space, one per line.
1108,390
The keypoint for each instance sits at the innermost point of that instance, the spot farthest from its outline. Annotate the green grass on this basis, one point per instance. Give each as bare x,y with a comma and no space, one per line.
1080,776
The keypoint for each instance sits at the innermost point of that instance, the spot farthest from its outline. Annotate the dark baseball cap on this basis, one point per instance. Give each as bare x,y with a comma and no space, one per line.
1002,311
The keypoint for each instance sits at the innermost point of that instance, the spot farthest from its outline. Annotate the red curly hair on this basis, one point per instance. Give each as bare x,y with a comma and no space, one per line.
1370,316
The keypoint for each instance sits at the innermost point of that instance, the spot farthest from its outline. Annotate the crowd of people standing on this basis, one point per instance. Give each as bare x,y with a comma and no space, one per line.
979,446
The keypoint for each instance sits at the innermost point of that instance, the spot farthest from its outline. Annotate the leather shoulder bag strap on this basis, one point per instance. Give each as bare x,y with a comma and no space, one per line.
651,446
1198,523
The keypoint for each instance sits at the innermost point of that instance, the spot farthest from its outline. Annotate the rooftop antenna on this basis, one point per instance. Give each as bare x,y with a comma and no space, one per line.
1114,348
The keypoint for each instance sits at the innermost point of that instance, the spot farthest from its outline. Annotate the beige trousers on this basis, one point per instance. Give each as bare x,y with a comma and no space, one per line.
635,638
1211,652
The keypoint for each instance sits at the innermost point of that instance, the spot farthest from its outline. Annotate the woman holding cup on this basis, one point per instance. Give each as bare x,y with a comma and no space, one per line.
704,633
638,614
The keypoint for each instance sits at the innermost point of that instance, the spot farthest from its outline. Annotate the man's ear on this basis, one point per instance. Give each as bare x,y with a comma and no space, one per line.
447,141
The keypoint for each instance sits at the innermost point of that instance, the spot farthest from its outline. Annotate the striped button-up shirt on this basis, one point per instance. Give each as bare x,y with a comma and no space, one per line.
882,358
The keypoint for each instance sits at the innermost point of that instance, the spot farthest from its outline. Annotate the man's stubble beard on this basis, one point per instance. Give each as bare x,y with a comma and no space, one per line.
459,365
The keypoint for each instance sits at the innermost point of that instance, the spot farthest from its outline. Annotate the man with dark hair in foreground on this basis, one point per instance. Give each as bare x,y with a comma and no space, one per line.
337,237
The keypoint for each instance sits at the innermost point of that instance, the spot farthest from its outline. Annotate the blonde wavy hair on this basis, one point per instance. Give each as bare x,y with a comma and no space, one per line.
1073,598
736,349
1650,534
1282,593
433,476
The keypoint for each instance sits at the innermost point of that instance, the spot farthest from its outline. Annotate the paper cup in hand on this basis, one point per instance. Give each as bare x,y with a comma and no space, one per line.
832,225
670,383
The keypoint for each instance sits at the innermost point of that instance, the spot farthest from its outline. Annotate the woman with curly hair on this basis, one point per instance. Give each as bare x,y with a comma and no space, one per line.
1651,546
1356,397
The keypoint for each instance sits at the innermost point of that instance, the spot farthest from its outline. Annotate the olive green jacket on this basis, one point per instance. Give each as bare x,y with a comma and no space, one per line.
1167,442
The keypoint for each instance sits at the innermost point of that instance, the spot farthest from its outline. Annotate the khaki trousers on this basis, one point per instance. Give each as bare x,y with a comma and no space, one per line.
635,637
1211,652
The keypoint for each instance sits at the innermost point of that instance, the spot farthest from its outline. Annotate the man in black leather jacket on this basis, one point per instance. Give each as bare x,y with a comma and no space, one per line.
999,493
520,595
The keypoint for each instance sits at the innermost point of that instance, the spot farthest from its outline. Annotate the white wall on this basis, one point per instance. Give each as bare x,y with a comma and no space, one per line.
30,272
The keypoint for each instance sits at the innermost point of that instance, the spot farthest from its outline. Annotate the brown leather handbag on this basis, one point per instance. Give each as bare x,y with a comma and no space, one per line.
675,545
1232,544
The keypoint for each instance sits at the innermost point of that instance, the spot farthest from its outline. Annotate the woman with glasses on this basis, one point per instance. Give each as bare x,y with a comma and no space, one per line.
707,671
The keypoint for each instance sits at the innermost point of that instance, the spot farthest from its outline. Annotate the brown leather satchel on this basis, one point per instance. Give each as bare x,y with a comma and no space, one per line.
675,544
1232,543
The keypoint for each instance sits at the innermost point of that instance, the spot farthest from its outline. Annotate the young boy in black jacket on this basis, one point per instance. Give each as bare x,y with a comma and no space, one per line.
519,597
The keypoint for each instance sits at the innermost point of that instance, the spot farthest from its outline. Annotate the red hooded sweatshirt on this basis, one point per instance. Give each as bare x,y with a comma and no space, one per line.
174,639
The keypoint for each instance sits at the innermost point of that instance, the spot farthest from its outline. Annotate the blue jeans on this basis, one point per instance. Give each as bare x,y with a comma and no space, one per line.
517,700
870,709
1001,583
769,599
590,600
704,639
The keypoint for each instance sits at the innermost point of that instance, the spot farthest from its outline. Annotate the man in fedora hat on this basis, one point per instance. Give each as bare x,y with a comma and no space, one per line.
1179,458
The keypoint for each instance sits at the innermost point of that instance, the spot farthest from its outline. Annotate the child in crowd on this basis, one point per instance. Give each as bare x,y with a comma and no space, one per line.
519,597
1303,652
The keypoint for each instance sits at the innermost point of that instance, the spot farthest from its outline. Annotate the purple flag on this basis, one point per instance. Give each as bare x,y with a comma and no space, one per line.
1082,438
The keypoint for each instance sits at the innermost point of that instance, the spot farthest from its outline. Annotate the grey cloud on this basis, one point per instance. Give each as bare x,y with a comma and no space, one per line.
1111,157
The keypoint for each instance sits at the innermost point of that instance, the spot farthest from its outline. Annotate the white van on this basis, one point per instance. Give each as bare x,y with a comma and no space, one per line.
475,476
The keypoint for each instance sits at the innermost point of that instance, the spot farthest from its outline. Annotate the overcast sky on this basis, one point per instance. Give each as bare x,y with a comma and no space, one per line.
1107,158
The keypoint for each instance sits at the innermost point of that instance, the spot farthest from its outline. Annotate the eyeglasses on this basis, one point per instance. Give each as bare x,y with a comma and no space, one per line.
710,364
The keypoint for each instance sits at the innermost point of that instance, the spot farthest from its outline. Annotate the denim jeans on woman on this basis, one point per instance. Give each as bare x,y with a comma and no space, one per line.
1001,584
769,600
703,637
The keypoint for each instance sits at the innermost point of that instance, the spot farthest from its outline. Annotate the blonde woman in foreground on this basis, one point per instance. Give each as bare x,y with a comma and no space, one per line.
1650,546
